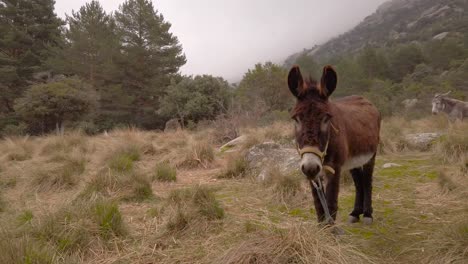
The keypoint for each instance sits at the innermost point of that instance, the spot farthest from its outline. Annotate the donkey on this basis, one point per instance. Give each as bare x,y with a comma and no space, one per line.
334,136
455,109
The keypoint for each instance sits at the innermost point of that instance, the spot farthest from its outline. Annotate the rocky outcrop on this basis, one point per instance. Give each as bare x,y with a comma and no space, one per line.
233,145
422,141
269,156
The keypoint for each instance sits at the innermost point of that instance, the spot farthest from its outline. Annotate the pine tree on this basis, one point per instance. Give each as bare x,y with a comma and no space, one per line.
28,29
92,45
151,55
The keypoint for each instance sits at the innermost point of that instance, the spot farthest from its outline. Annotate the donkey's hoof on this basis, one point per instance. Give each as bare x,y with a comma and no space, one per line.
337,231
367,220
353,219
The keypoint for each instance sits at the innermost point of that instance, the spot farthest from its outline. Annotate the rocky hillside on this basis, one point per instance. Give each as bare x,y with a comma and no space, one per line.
395,22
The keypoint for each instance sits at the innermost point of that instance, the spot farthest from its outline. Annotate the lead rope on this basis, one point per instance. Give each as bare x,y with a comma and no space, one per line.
323,201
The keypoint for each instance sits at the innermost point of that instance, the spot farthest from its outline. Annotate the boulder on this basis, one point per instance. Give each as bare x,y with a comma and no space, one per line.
422,141
409,103
269,155
440,36
233,144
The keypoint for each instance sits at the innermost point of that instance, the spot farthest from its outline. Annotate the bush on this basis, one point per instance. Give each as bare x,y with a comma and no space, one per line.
14,130
164,172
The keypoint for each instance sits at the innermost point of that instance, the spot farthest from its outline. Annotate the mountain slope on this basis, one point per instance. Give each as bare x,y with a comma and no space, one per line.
395,22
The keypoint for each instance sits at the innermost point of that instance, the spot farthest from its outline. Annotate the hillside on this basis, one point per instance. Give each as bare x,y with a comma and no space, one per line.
397,22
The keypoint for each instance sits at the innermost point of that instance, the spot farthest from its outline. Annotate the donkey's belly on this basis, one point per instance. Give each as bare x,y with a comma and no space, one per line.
356,162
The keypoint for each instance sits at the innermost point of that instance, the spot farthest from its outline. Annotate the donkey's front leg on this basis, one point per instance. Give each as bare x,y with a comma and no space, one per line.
318,206
331,192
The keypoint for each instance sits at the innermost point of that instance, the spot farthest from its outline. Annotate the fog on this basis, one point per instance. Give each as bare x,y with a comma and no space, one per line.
225,38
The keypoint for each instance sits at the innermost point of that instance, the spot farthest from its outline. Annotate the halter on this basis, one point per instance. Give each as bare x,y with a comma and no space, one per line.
317,152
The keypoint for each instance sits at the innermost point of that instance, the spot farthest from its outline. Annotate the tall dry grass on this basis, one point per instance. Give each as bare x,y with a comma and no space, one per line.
305,243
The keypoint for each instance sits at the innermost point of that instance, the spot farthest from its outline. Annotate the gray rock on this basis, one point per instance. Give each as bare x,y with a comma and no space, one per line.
172,125
233,144
390,165
440,36
409,103
269,155
422,141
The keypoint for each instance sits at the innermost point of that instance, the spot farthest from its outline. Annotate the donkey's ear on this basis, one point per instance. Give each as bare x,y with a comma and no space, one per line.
329,80
295,80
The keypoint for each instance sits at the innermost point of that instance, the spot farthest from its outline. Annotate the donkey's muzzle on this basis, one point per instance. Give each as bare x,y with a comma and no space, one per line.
310,171
311,165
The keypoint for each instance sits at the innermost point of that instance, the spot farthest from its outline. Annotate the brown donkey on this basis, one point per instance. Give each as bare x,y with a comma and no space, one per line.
333,136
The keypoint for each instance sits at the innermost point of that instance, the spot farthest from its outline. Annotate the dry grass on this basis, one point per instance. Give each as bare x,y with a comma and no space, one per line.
392,135
64,175
236,167
448,245
453,146
286,188
18,148
130,186
298,244
64,236
191,209
114,217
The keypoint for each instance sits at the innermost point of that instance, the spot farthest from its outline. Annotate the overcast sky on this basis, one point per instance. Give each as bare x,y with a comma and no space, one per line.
227,37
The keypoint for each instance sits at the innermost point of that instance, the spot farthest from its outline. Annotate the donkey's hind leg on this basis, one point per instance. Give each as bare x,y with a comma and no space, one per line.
368,170
357,174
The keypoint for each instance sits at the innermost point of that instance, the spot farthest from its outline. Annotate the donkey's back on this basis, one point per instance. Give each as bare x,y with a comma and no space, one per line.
360,122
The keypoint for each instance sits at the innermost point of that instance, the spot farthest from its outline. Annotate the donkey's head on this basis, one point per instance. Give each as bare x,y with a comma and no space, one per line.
438,103
312,116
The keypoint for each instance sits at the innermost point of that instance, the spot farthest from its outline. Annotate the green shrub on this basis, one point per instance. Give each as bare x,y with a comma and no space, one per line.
164,172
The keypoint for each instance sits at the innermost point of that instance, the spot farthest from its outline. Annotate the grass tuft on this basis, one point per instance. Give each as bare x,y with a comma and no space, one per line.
236,167
448,245
192,205
123,159
164,172
297,244
107,183
109,219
